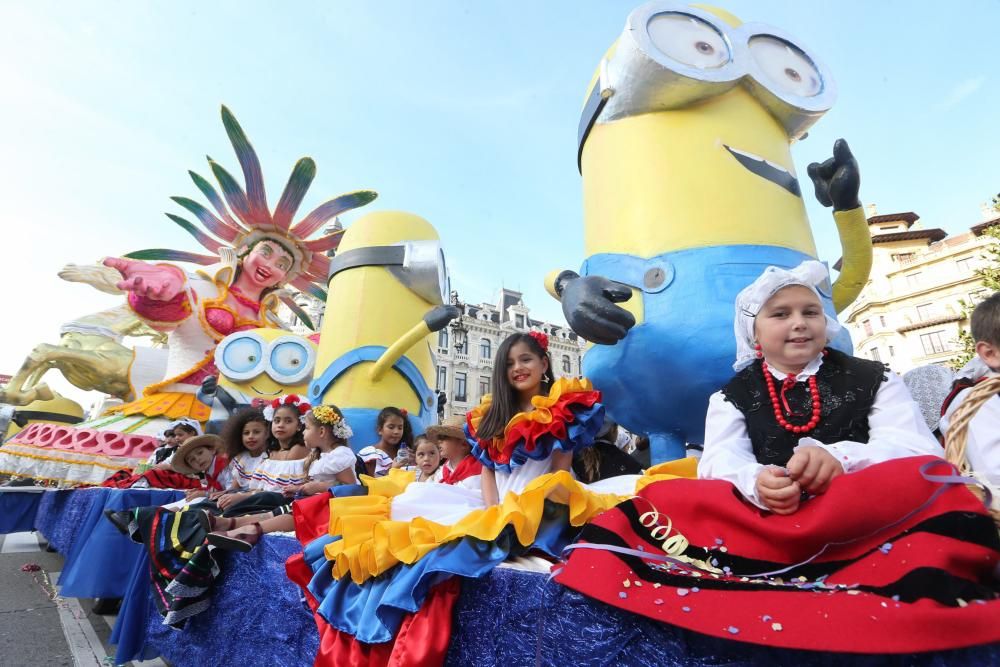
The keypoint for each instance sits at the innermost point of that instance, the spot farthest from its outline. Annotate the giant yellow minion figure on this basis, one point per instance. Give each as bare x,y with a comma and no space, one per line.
689,192
388,292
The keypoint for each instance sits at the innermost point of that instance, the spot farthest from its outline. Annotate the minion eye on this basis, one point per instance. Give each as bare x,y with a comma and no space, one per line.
241,355
688,40
290,360
787,68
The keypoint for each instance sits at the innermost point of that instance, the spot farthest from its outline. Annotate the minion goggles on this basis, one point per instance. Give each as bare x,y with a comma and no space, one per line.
419,265
671,56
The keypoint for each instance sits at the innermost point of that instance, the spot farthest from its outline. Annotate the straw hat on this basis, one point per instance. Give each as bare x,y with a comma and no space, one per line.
179,461
452,427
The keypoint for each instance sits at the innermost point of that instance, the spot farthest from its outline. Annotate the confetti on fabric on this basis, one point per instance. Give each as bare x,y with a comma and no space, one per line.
682,592
733,630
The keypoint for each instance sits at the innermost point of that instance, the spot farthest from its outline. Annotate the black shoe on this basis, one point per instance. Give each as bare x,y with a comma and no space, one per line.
120,518
107,605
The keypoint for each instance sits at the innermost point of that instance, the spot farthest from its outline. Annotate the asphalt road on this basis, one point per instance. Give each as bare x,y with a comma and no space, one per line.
37,627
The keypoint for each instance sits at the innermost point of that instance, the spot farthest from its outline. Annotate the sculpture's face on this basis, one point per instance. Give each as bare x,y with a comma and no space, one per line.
267,265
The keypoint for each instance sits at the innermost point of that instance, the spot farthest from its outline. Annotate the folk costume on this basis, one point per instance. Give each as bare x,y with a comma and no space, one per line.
380,580
896,557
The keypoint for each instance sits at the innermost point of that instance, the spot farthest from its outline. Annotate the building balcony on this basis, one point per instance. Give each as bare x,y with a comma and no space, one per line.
930,322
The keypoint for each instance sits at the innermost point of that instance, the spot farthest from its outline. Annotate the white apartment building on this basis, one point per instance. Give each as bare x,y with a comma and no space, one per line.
911,311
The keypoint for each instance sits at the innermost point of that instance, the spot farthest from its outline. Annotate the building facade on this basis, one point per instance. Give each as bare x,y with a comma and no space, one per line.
922,283
465,349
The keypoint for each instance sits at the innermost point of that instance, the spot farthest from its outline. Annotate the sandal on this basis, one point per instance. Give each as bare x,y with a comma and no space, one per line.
120,518
215,523
248,536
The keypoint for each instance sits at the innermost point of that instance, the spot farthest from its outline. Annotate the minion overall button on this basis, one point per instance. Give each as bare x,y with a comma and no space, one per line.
657,277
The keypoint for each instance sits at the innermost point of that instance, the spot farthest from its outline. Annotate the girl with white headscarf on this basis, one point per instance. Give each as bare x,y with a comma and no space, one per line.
798,413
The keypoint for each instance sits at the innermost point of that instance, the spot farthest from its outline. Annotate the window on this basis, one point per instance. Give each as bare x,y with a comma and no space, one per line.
443,339
925,312
892,351
977,296
867,324
519,321
881,321
442,381
932,342
485,349
965,265
913,279
902,257
484,386
873,353
460,387
566,368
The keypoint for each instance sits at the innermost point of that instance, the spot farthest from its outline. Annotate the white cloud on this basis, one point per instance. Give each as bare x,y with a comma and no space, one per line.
960,91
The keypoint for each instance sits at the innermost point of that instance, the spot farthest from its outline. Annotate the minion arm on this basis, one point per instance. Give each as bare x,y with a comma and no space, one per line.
856,242
435,320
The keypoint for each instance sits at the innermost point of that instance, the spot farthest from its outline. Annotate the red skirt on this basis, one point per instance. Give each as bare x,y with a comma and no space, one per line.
887,561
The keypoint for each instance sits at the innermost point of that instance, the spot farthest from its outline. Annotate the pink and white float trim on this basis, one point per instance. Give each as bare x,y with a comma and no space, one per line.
72,456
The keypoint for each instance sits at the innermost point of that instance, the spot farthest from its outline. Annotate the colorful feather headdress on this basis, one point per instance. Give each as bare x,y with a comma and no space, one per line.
248,219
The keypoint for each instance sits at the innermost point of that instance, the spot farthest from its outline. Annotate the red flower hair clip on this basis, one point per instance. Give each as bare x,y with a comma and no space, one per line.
404,412
289,400
541,339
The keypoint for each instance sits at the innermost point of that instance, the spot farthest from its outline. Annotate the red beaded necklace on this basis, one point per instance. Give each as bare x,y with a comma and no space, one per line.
786,385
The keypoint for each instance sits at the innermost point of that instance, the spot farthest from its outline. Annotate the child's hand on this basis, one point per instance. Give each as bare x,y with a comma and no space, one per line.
290,490
813,468
230,499
779,493
195,493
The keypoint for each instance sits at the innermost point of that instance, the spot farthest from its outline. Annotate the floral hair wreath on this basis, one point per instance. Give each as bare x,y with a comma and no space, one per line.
541,339
327,416
289,400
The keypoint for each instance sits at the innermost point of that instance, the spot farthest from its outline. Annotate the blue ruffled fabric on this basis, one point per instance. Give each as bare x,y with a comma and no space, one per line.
521,618
372,612
580,433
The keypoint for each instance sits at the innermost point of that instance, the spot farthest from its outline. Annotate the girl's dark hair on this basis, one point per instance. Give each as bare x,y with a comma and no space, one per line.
314,454
505,404
232,432
272,442
390,411
186,427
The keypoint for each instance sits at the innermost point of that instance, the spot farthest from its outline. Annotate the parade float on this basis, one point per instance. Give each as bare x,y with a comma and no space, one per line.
689,192
255,258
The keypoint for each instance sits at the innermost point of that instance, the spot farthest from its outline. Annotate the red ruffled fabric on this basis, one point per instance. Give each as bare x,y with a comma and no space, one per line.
526,428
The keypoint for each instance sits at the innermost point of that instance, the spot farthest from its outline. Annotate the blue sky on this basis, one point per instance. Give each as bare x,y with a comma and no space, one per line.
464,113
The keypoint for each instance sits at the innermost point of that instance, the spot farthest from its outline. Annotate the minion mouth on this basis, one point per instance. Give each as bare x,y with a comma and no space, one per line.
265,393
766,169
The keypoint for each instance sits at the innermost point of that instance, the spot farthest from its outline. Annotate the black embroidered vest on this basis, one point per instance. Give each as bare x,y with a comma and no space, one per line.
847,388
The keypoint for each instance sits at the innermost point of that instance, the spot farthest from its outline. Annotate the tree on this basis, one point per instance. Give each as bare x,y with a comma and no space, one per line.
990,275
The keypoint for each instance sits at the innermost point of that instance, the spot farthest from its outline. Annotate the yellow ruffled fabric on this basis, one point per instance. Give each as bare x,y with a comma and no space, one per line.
371,543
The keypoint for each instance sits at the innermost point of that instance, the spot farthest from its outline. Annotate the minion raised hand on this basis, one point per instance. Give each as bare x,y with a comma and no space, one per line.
689,192
388,292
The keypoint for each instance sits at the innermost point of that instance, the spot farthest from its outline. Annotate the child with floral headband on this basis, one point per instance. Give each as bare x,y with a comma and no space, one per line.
331,462
284,466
